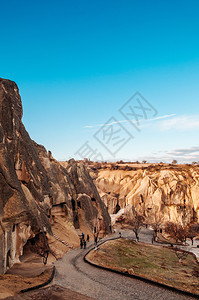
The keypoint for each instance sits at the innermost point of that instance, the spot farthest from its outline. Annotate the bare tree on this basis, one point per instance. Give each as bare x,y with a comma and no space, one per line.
192,231
156,227
174,162
176,231
136,223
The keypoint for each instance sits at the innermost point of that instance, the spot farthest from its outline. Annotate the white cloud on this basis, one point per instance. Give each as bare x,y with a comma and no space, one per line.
182,123
182,152
186,155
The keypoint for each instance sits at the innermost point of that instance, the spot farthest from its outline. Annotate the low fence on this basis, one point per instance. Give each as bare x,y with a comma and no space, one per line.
40,285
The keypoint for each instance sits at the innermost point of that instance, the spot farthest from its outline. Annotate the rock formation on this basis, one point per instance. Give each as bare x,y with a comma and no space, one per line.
35,190
160,193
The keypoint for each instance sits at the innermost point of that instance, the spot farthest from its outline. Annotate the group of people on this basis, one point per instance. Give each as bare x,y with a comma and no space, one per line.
83,241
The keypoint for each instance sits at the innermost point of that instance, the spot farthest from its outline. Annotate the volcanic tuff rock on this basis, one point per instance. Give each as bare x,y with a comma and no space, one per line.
35,188
160,193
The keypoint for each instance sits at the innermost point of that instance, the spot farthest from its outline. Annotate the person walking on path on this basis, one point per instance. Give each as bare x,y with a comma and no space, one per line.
88,237
84,242
192,241
81,243
82,235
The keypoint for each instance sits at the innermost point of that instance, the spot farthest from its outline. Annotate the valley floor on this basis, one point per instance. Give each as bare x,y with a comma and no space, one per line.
77,275
73,274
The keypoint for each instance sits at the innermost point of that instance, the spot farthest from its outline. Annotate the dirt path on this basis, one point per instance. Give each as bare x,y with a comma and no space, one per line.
73,273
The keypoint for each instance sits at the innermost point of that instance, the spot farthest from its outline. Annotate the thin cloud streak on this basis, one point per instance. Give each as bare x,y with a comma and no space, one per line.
181,152
126,121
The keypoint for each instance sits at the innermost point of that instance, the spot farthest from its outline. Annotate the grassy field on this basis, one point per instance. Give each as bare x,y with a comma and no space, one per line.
153,262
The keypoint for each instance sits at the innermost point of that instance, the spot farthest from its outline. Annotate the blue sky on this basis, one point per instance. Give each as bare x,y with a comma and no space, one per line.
78,62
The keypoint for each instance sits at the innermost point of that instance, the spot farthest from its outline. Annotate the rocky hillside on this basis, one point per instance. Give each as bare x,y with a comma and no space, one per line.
160,193
38,196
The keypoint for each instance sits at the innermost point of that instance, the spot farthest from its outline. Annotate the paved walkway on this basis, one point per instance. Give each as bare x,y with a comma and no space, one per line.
73,273
146,235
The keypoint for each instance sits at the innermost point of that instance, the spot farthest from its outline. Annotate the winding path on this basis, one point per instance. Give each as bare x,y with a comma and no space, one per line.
75,274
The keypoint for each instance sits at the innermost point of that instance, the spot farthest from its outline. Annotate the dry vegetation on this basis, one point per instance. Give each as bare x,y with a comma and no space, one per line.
133,166
160,264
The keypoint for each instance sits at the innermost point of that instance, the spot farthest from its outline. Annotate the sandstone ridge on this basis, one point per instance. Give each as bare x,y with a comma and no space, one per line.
159,192
37,194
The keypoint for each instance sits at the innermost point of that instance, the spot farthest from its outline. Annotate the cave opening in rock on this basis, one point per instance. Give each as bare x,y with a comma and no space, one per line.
141,197
76,221
37,245
117,208
93,199
73,204
8,259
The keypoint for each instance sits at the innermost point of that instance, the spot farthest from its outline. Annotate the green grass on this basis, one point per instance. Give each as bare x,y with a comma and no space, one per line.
153,262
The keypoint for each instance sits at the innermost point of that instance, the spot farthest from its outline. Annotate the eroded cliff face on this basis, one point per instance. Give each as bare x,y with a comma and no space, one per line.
36,192
160,193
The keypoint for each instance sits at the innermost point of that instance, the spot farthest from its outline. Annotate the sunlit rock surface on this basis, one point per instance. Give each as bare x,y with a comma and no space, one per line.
160,193
36,192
